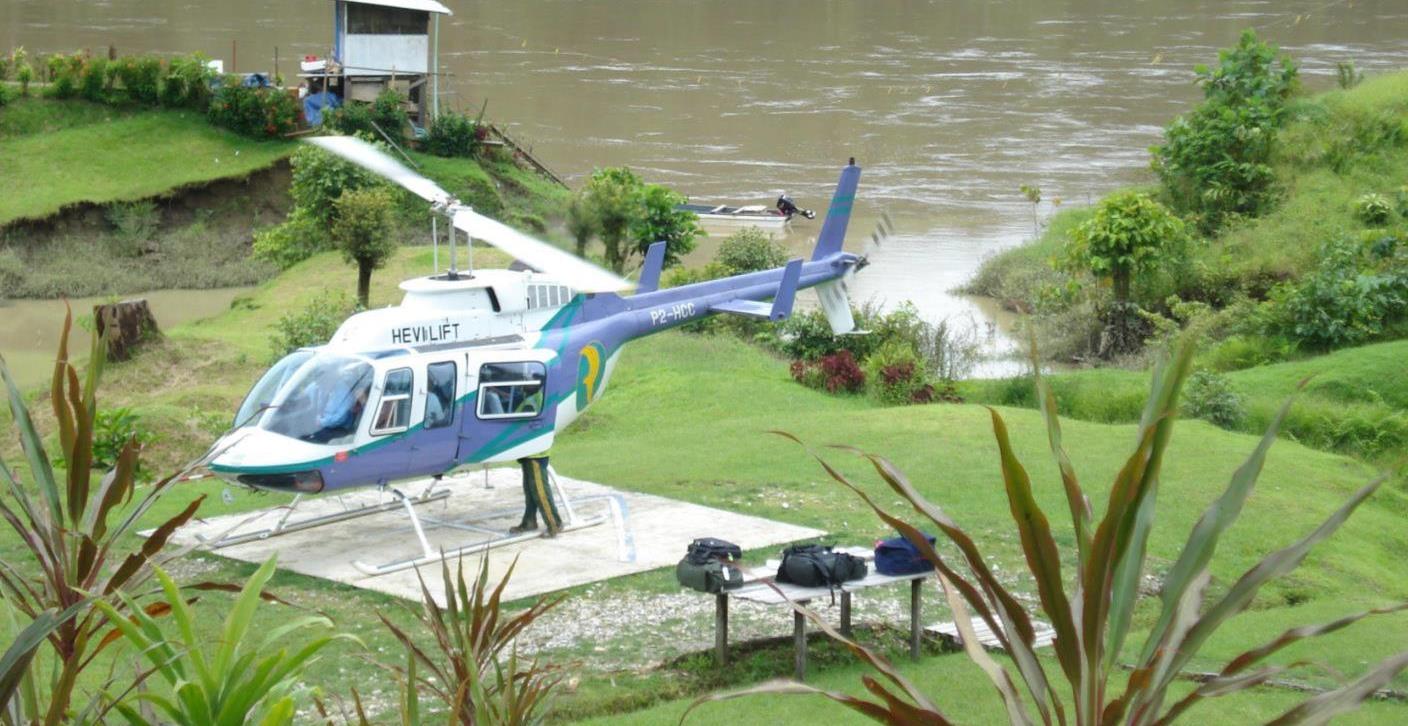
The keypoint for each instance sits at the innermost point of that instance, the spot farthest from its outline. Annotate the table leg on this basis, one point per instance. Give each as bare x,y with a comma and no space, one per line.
721,628
846,613
799,643
915,631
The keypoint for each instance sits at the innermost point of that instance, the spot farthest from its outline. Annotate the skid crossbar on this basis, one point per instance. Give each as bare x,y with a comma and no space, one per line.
284,526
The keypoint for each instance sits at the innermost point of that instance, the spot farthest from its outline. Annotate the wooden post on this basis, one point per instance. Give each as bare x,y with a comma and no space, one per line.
915,631
799,643
721,628
846,613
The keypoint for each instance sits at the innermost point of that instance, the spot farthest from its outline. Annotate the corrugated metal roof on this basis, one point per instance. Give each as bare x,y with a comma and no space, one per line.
427,6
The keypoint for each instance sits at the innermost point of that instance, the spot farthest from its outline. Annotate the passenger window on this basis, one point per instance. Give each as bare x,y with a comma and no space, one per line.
393,414
511,390
440,395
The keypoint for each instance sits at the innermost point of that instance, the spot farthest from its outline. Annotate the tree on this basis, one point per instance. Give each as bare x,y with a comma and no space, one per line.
1129,235
581,222
613,194
659,221
749,250
362,230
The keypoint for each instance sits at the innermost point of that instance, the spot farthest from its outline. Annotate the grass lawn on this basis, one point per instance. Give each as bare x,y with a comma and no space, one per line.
110,155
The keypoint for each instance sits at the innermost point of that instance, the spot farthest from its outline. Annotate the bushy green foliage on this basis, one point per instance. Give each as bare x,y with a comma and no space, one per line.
255,112
453,135
1373,209
319,178
1352,295
133,223
895,375
1129,235
93,83
612,193
23,71
187,82
1209,396
389,112
113,428
1215,160
657,220
582,222
362,230
140,76
313,325
385,115
65,72
749,250
352,119
292,241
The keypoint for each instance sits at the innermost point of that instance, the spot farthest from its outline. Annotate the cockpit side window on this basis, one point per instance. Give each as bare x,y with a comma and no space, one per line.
263,392
324,402
440,395
393,414
511,390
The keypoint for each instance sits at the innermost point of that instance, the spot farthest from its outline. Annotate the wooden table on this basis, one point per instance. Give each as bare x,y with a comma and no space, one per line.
760,587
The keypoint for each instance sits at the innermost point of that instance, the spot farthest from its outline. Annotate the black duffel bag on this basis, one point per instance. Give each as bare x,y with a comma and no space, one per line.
708,566
815,565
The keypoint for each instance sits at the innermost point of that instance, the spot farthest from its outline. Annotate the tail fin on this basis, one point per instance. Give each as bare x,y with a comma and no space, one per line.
833,230
650,271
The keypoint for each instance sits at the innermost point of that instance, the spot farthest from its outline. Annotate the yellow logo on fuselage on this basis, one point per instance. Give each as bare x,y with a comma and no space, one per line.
590,367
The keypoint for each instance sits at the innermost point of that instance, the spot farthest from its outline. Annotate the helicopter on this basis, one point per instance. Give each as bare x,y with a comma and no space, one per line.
481,366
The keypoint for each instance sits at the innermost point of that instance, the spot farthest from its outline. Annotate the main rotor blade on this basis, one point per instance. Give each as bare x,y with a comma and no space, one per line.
540,255
378,162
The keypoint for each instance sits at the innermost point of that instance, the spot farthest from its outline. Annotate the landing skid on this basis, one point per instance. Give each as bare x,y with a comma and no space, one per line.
284,526
430,555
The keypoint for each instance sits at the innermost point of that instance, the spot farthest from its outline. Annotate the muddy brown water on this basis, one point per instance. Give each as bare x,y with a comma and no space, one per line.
949,105
29,329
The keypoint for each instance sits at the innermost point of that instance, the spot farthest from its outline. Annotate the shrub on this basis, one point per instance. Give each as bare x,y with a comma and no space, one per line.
188,82
292,241
319,178
657,220
24,72
140,76
1209,396
1373,209
389,113
113,428
353,118
1347,300
895,375
749,250
1129,235
134,224
452,135
313,325
1215,161
254,112
1091,604
65,73
93,84
835,373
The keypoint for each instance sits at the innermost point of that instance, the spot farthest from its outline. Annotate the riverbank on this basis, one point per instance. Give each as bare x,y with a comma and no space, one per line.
184,389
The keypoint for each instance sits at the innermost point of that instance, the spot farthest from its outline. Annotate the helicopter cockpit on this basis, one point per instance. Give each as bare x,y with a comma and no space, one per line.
317,398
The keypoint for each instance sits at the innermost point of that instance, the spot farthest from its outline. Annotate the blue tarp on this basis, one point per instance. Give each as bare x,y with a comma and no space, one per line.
315,103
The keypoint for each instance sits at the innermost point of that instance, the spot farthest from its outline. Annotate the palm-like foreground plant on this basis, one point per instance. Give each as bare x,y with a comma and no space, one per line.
74,529
1091,613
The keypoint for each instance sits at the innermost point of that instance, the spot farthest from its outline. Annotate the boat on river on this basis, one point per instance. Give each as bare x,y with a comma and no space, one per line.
753,215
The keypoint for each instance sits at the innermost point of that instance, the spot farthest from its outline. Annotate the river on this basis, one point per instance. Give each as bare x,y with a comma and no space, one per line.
949,105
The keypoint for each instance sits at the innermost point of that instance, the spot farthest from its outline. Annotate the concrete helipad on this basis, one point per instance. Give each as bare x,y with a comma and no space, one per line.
640,532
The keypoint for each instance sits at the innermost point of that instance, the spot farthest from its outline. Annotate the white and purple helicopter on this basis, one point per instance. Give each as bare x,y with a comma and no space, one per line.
481,366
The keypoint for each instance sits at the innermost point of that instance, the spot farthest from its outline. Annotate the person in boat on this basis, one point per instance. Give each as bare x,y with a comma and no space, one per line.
786,207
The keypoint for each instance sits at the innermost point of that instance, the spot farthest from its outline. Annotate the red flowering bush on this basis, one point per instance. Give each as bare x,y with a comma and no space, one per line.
257,112
835,373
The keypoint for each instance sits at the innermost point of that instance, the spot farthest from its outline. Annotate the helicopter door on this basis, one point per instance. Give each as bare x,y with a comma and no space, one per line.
511,408
433,448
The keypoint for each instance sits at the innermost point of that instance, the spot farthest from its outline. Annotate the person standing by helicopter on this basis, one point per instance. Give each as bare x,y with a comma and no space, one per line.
537,498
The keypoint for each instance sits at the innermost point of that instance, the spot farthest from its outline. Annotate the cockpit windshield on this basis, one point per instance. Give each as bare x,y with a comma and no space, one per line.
323,402
268,386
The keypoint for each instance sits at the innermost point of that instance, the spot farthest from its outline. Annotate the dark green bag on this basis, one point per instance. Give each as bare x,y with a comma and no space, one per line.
712,576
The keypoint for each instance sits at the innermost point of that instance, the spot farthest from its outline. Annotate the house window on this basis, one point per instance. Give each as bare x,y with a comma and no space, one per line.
511,390
440,395
380,20
393,414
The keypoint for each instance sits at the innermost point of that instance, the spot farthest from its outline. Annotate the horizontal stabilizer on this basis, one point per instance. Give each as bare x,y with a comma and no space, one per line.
781,306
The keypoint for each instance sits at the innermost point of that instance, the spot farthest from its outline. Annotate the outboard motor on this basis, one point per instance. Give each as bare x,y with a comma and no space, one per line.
787,208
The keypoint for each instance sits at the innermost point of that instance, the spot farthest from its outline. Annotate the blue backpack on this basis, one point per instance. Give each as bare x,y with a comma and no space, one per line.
898,557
